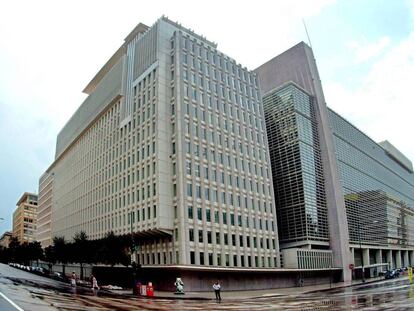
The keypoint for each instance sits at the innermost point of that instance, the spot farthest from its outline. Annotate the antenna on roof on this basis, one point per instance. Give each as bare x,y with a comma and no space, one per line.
306,30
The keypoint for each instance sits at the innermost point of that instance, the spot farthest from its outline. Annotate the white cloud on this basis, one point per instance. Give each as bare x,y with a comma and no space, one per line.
383,105
366,51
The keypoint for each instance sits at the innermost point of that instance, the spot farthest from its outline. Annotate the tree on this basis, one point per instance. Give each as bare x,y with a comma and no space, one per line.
61,252
113,250
4,255
81,250
33,251
50,256
14,249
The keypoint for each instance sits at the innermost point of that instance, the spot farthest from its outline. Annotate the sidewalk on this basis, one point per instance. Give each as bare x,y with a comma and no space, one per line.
250,294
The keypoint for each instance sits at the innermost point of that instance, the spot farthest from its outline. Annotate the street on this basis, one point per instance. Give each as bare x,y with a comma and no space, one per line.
35,293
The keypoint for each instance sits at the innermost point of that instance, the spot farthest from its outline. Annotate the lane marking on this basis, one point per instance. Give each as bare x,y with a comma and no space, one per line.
11,302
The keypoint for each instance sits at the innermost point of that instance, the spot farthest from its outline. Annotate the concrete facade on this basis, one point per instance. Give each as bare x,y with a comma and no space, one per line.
170,144
24,218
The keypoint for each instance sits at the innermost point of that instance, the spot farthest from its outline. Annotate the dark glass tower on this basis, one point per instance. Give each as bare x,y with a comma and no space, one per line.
296,166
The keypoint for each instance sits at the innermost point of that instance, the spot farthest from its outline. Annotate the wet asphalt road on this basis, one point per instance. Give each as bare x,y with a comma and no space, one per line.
5,305
35,293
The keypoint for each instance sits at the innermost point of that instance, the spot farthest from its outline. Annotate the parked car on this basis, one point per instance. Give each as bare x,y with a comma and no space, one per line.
38,270
56,276
59,277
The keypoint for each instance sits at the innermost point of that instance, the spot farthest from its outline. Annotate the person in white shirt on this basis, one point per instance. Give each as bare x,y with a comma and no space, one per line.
95,286
73,279
217,288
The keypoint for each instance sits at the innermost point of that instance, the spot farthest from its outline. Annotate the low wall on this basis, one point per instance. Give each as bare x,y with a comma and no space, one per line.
203,280
163,278
69,268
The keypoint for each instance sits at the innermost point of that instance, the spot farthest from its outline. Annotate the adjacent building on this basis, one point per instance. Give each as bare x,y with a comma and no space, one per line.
378,188
335,188
24,218
44,210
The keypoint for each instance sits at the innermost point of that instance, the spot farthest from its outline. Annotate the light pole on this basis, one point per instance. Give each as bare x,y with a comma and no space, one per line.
133,263
360,250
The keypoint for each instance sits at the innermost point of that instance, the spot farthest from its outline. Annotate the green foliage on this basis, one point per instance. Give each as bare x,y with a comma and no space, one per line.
60,250
22,253
50,256
4,255
110,250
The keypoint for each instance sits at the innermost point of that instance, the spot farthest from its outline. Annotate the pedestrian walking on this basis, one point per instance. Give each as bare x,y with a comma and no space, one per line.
73,279
95,286
217,288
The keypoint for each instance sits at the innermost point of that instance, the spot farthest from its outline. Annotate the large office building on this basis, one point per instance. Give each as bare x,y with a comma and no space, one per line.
335,188
170,144
24,218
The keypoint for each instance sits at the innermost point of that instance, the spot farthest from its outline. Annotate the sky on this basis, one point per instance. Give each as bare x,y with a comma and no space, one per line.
50,50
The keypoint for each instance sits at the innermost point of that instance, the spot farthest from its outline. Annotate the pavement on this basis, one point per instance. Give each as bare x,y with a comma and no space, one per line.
252,294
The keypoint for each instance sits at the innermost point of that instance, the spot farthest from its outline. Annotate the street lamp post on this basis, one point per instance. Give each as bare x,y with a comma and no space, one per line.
133,257
360,250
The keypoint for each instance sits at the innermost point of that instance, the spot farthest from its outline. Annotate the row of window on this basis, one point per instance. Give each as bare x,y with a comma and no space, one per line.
232,179
237,261
218,134
224,196
232,240
215,58
228,218
246,99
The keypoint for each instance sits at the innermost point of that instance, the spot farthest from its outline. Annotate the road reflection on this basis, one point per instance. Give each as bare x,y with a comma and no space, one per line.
385,295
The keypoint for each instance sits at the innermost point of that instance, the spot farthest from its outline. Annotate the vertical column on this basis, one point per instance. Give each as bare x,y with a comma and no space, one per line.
405,259
398,259
378,259
365,257
389,260
411,258
337,220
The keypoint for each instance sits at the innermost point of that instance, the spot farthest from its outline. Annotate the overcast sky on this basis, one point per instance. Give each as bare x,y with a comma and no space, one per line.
50,50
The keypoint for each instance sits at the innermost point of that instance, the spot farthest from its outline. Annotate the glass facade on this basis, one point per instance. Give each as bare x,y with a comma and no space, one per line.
296,165
378,192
